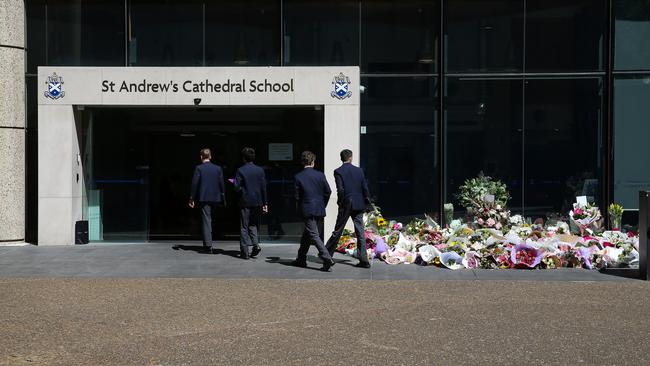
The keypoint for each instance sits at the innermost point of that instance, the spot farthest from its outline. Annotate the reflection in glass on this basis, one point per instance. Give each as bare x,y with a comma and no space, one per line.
484,36
483,133
399,145
565,35
88,33
562,148
631,132
632,34
242,33
400,36
31,160
167,33
321,32
139,164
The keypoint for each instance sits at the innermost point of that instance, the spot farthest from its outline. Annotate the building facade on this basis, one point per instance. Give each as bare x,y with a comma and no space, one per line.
549,96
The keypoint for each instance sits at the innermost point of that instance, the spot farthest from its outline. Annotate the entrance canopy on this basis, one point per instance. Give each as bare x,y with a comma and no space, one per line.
64,93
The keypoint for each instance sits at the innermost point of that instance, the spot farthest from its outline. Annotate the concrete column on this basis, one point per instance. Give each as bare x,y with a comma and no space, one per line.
12,120
341,132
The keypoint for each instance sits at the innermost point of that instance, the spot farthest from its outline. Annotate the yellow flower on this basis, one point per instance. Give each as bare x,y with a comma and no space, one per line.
381,222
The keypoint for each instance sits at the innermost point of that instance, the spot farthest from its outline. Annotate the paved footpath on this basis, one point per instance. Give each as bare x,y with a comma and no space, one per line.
151,305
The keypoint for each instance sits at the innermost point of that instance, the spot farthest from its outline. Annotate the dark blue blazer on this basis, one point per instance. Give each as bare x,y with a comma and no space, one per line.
351,187
312,193
207,183
250,183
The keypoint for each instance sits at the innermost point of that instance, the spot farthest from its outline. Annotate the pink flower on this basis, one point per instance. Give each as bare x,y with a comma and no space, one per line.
480,221
577,211
490,222
498,225
608,244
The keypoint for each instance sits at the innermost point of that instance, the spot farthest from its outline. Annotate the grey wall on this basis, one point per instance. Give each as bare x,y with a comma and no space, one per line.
12,120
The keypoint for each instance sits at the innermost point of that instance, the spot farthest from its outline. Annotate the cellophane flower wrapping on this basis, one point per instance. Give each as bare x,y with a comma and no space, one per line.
518,243
585,216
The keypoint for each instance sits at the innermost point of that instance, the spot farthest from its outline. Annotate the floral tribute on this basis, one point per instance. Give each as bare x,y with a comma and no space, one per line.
585,217
490,238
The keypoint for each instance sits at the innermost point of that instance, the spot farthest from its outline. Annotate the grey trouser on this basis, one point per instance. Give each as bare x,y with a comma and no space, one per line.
310,235
345,212
249,222
207,208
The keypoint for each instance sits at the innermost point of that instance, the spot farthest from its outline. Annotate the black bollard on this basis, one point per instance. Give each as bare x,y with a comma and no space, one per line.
644,226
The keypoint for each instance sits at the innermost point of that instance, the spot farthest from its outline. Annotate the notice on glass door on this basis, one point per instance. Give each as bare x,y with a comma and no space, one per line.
280,152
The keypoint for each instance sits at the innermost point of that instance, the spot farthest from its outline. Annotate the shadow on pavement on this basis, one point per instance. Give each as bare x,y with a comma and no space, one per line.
202,250
632,273
287,262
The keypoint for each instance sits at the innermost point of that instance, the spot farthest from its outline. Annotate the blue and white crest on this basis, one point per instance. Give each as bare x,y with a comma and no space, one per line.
54,85
341,87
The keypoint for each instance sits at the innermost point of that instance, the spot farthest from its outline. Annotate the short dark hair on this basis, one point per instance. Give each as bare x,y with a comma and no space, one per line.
248,154
206,153
345,155
307,157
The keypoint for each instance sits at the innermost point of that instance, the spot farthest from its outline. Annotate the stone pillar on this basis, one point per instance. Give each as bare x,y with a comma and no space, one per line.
12,120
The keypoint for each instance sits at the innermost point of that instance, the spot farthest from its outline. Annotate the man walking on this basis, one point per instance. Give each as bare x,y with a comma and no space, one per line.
208,192
352,196
312,193
250,183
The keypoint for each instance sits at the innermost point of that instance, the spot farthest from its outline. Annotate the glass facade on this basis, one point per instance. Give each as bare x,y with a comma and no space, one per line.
542,94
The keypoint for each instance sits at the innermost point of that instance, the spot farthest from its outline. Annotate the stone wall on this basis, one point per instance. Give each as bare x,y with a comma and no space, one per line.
12,120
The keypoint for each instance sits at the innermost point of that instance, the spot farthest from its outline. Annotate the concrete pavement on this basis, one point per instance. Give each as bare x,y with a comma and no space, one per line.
149,304
160,260
128,321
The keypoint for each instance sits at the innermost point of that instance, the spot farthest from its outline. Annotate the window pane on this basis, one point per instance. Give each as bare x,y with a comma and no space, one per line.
400,36
631,131
35,38
632,34
485,36
483,133
562,144
166,33
242,33
31,161
565,35
321,32
398,148
88,33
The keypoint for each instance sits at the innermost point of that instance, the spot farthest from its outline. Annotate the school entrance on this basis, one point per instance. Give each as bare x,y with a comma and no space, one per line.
118,145
139,163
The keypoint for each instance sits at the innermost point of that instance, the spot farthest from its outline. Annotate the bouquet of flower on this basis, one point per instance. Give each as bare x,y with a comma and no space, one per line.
525,256
491,216
584,217
472,193
615,214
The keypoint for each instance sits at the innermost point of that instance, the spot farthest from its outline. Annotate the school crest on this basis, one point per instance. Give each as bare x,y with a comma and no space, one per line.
341,87
54,85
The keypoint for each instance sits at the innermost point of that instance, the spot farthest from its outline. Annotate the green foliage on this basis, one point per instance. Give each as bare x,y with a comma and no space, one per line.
471,193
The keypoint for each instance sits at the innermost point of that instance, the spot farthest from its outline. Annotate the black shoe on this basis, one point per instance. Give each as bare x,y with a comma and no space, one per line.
243,255
362,265
300,264
327,265
256,250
